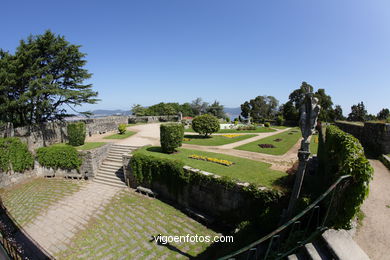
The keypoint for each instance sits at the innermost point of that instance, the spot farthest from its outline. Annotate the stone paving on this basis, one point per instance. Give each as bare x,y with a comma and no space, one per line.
55,227
125,228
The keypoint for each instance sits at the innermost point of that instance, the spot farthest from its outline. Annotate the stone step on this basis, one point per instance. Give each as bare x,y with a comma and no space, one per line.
342,246
119,185
119,150
312,252
297,256
109,178
115,159
111,167
112,163
112,173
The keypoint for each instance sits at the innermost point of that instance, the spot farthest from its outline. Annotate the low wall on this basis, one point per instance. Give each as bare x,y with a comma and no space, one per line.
385,160
92,159
104,124
153,119
373,136
211,198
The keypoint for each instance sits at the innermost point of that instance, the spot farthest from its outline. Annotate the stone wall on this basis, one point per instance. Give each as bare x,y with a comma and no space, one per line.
211,198
373,136
92,159
104,124
153,119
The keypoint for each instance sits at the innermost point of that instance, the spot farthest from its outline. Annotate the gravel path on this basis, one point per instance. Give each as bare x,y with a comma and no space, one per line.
374,236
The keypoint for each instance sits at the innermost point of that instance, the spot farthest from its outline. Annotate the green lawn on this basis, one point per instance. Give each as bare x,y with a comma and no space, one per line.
214,139
125,228
234,131
243,169
314,144
26,201
119,136
85,146
288,139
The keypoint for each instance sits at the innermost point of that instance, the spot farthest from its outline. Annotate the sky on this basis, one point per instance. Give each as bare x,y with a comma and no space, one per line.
150,51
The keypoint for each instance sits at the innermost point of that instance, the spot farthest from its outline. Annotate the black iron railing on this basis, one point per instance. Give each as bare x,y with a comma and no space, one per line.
295,233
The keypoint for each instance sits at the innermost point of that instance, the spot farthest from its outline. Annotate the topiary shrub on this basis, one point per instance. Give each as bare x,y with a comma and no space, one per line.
171,136
205,124
76,133
122,128
59,157
14,155
267,124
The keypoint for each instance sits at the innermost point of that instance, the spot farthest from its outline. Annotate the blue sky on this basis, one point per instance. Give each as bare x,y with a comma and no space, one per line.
147,51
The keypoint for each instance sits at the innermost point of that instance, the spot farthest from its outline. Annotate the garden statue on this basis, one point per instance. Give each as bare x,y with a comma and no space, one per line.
309,112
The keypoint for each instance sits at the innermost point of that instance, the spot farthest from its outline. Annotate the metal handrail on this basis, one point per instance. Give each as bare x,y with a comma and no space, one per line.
290,222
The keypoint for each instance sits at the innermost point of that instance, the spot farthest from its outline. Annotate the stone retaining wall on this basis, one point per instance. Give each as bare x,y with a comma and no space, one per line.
210,198
153,119
373,136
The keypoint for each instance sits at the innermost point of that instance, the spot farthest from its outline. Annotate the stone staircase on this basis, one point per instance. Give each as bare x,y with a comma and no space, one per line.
111,170
331,245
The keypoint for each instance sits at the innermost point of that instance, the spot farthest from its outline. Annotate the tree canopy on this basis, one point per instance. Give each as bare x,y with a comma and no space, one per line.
42,80
358,113
260,108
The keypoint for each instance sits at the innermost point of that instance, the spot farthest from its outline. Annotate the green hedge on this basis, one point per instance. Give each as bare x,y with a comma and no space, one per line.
122,128
59,157
76,133
149,169
340,154
171,136
15,154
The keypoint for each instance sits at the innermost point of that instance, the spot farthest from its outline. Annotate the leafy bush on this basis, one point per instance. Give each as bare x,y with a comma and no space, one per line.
280,120
14,155
122,128
340,154
267,124
171,136
76,133
59,157
205,124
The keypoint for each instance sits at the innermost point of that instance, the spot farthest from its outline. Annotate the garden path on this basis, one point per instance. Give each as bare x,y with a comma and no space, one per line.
55,227
374,236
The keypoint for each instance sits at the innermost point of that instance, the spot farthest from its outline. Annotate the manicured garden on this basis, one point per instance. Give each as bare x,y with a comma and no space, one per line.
276,145
227,131
242,169
120,136
214,140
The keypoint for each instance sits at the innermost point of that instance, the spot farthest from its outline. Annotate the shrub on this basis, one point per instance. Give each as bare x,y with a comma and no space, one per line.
171,136
246,127
205,124
14,155
267,124
122,128
62,157
340,154
280,120
76,133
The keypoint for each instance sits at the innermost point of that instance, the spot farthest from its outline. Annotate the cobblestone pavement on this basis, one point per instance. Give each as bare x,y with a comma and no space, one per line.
125,228
55,227
25,201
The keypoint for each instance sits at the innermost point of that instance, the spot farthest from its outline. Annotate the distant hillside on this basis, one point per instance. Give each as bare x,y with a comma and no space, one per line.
232,112
103,112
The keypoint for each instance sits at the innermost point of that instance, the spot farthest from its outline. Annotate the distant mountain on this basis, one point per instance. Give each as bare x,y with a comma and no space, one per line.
114,112
232,112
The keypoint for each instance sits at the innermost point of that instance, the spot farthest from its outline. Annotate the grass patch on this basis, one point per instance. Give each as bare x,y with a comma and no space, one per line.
214,139
243,169
234,131
314,144
86,146
289,139
119,136
124,229
360,217
26,201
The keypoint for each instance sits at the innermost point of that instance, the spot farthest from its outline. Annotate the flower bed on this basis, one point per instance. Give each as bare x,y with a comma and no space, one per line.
267,145
231,135
211,159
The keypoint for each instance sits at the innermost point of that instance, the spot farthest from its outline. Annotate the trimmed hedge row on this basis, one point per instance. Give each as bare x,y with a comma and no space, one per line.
148,169
59,157
14,155
339,154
